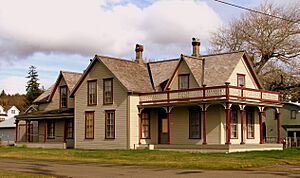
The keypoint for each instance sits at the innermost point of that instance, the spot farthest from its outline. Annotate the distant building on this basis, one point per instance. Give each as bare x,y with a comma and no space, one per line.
7,124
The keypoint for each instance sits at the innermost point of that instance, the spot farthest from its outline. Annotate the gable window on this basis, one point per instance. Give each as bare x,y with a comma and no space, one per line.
241,80
234,124
194,124
13,111
89,124
250,124
51,129
109,124
63,96
69,128
145,125
293,114
108,91
92,92
183,81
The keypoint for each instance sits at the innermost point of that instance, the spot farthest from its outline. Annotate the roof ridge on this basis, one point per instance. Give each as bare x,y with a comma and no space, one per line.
222,53
63,71
167,60
195,57
115,58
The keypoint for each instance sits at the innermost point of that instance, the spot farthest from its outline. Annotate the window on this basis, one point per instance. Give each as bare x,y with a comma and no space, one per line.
194,124
183,81
109,124
51,129
69,128
89,124
293,114
234,124
63,96
107,91
241,80
145,124
92,92
13,111
250,124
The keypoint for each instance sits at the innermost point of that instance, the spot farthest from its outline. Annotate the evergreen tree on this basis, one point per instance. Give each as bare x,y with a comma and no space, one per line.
32,87
3,93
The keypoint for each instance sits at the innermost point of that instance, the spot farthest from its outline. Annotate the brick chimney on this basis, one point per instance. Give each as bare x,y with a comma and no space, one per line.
196,47
139,53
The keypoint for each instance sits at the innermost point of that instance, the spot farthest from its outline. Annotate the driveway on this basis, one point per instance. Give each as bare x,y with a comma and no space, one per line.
76,169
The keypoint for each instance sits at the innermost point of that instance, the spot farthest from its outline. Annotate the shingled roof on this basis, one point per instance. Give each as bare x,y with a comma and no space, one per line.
133,76
71,78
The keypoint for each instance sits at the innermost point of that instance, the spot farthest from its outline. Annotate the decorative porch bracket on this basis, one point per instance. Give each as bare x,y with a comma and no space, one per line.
261,112
228,113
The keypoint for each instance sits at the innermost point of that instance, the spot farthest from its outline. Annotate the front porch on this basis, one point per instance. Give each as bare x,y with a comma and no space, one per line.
222,119
48,129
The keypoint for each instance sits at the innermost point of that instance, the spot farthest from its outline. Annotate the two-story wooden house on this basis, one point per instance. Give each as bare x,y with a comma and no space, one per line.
196,102
50,121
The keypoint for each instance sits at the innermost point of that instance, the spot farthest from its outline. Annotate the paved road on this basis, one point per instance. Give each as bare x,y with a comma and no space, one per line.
69,169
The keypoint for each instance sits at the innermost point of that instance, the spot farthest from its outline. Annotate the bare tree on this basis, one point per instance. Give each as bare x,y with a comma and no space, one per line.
266,38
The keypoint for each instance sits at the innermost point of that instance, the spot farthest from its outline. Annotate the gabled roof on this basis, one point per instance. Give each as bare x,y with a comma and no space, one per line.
70,78
133,76
8,123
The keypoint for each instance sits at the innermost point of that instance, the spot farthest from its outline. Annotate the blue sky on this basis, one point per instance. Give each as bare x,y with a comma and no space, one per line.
56,35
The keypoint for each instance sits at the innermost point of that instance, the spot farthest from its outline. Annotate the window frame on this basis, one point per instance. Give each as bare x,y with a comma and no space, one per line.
234,112
114,124
60,96
293,114
145,125
49,123
104,91
68,136
239,76
248,125
88,93
179,81
93,126
191,136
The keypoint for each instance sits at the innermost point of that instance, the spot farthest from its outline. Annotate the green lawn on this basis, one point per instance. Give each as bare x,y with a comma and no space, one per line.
14,174
159,158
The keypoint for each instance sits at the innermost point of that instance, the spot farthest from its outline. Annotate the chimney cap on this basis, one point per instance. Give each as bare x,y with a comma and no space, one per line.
195,41
139,48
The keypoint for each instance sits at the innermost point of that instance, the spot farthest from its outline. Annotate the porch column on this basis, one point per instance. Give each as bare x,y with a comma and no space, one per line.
169,128
204,111
65,131
140,127
45,130
279,127
261,139
242,111
228,112
26,131
17,130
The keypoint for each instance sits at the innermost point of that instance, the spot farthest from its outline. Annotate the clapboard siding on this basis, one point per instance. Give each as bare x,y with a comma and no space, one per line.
100,72
133,130
59,131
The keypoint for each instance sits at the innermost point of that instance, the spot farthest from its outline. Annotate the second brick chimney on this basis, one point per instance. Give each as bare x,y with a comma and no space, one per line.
139,53
196,47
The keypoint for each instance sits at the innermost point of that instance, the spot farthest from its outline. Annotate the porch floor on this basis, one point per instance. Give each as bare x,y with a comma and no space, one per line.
42,145
222,148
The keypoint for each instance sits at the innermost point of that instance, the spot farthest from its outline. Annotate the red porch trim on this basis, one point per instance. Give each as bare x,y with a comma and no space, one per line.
204,112
242,111
261,139
140,127
279,128
17,130
227,111
169,128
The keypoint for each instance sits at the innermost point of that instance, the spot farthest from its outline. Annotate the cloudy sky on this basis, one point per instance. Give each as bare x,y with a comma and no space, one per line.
56,35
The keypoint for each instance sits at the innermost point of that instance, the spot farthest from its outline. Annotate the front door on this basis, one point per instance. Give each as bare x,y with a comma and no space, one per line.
163,128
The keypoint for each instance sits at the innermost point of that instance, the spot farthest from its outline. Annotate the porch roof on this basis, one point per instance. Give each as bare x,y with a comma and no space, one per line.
51,114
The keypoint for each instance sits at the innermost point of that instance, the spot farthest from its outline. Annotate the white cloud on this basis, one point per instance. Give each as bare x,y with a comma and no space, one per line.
14,84
86,27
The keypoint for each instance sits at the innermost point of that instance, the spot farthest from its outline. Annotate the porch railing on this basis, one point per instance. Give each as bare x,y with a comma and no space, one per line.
210,93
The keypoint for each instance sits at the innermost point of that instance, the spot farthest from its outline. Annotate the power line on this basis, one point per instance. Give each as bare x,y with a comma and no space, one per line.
255,11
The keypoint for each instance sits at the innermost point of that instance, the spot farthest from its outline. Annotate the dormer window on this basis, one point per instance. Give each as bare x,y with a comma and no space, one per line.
241,80
63,96
183,81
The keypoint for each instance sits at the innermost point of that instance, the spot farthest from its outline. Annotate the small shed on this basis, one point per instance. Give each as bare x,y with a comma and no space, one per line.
8,131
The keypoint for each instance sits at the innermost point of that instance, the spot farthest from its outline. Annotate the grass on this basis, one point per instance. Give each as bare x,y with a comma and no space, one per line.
166,159
14,174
